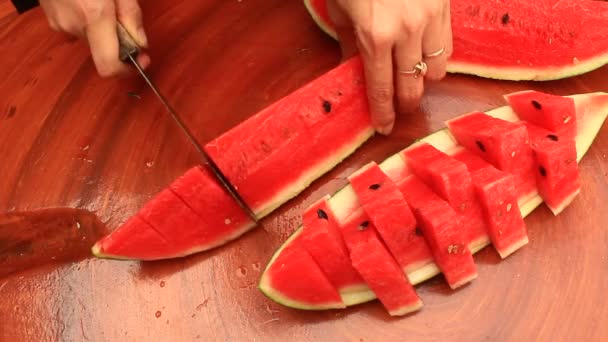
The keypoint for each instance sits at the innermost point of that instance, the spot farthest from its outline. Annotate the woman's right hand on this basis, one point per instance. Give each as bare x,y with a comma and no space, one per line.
96,21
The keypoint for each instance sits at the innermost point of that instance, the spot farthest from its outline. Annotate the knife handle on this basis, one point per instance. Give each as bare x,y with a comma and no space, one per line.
127,45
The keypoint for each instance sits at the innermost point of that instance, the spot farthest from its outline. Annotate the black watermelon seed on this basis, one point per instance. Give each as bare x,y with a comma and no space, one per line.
537,104
553,137
364,225
418,231
322,214
480,145
542,171
505,19
326,106
374,187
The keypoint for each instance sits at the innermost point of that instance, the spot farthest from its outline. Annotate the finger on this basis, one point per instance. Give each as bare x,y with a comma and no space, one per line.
129,14
434,45
103,40
449,47
407,55
378,66
344,29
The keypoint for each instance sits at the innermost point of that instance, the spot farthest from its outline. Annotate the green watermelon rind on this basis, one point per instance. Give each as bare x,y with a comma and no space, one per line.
443,140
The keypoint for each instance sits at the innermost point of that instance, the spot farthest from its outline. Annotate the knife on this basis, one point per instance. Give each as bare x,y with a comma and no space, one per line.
128,51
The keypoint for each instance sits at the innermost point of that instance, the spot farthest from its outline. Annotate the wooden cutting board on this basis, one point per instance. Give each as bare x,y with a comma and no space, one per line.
71,139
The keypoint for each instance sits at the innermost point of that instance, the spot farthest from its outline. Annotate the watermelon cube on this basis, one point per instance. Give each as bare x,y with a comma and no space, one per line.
451,180
322,239
378,267
389,212
557,175
552,112
443,230
503,144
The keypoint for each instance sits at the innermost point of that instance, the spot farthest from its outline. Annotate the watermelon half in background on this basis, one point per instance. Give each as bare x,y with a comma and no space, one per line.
591,112
518,39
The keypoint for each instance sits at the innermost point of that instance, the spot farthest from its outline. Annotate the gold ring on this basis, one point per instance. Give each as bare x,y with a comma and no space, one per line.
420,69
435,54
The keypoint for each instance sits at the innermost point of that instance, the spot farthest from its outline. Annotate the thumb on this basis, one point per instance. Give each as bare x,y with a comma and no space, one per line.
344,29
129,14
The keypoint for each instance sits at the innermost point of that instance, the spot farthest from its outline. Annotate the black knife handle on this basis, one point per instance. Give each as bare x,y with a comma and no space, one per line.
127,46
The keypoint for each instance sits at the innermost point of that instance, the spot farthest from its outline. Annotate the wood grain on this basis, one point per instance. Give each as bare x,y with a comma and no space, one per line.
71,139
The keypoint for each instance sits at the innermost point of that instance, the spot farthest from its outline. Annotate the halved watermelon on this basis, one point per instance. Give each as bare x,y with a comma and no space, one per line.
503,144
377,266
518,39
269,159
387,209
451,180
322,239
592,110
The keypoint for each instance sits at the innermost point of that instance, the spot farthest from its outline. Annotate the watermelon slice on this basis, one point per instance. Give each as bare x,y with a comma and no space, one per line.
299,282
495,190
591,110
443,230
269,158
557,174
518,39
387,209
277,153
553,112
503,144
322,239
380,271
450,179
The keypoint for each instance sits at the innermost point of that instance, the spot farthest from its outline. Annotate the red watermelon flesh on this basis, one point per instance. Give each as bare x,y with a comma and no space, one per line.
135,240
296,280
322,239
495,190
503,144
377,266
387,209
557,175
451,180
443,230
278,152
552,112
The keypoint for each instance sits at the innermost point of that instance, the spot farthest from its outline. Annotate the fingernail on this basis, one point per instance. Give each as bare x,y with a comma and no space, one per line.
387,129
143,40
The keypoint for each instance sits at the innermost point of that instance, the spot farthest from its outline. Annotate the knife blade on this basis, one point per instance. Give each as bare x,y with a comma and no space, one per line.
128,50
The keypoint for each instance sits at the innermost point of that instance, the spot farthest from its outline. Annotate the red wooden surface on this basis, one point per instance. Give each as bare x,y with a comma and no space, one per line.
71,139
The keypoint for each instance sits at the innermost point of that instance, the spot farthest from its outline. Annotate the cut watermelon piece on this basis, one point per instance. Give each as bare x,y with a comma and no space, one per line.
592,110
519,39
274,155
443,230
322,239
552,112
193,214
450,179
299,282
503,144
376,265
557,174
387,209
495,190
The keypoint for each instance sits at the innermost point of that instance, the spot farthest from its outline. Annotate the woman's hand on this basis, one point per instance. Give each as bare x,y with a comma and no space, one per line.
96,21
393,37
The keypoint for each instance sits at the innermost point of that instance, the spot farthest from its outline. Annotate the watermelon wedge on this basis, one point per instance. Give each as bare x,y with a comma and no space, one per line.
519,39
322,239
451,179
591,112
377,266
387,209
269,158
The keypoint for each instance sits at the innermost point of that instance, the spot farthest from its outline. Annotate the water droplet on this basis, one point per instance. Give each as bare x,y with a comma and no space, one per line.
162,283
150,163
158,314
256,266
86,147
241,271
227,221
